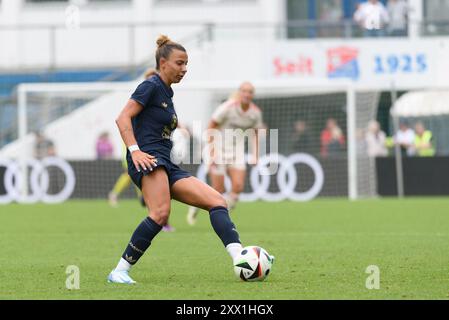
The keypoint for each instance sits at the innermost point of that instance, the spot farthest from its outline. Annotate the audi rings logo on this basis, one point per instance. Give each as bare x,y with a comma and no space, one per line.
39,181
287,178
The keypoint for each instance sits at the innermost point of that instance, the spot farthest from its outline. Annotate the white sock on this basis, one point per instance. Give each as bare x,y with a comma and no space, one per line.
234,249
123,265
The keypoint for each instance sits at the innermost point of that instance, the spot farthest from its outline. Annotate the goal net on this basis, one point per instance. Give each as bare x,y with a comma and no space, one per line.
317,135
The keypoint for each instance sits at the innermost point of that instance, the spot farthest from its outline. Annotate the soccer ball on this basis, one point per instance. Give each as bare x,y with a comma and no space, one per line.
253,264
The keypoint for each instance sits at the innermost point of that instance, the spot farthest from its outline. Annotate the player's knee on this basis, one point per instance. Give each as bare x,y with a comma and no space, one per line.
217,201
160,214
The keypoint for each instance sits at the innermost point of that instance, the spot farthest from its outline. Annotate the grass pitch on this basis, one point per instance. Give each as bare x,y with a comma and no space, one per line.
322,250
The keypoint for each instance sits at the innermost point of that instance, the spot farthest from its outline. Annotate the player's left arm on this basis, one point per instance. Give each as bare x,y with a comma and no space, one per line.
255,148
255,141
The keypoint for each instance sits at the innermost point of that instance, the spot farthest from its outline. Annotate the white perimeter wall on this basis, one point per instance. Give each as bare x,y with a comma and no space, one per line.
26,41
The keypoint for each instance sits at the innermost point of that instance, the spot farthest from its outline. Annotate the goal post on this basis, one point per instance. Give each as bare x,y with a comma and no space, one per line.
352,148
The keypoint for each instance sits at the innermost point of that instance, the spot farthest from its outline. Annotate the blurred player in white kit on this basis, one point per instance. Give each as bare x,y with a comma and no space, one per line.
234,116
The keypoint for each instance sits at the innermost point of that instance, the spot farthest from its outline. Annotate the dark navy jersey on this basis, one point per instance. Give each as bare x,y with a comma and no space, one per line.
154,125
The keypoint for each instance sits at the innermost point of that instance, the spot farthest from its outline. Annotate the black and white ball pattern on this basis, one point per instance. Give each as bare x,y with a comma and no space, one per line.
253,264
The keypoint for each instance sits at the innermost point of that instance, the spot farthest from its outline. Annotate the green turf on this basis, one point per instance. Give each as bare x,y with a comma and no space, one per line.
322,250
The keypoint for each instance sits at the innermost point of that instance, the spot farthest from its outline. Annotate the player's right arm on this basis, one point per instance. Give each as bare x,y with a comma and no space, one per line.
140,159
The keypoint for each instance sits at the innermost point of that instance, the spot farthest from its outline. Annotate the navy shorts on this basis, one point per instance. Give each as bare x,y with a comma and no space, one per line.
174,172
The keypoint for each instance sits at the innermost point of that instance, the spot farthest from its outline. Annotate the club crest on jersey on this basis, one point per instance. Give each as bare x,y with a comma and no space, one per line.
165,104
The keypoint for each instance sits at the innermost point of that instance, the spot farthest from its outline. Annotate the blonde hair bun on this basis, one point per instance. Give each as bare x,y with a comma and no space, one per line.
163,39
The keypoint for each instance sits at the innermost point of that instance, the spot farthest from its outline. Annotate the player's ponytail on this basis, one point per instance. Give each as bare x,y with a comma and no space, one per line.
150,72
234,96
164,48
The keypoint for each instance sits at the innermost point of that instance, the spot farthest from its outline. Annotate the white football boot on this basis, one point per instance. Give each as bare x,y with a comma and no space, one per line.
191,215
120,277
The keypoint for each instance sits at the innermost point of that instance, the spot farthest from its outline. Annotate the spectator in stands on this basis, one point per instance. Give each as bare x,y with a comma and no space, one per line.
332,139
330,16
405,138
375,140
104,147
43,146
398,13
372,17
301,139
423,141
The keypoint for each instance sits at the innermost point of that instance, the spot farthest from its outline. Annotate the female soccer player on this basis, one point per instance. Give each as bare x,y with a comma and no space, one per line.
146,124
239,112
124,180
